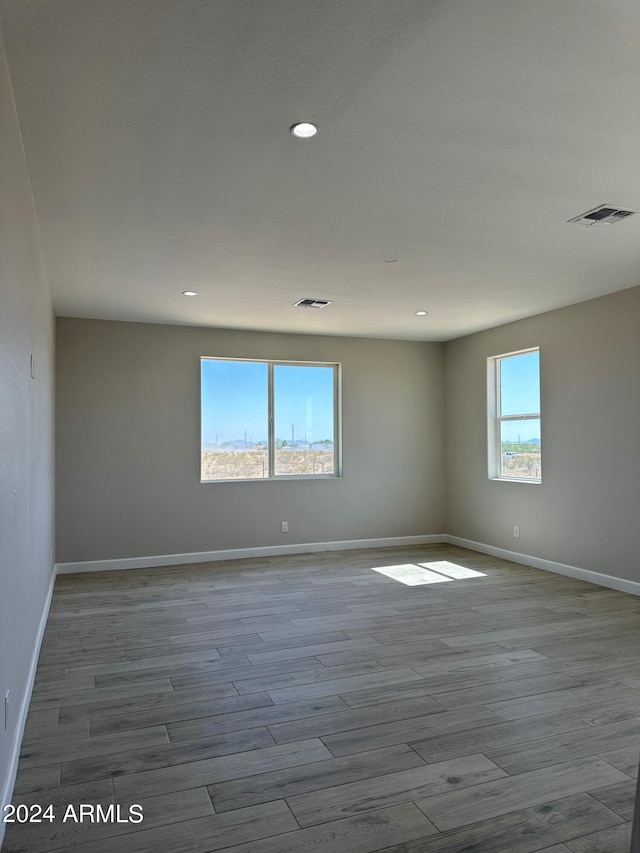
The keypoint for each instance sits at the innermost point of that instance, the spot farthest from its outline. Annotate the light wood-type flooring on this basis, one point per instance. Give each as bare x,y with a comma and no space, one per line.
310,704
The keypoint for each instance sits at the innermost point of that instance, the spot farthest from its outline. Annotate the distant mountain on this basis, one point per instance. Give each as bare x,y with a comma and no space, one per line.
239,443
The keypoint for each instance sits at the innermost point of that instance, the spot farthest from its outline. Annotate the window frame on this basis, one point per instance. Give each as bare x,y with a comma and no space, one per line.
496,418
271,441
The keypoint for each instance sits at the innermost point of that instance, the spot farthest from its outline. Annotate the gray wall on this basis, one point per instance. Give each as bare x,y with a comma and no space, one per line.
128,431
585,512
26,426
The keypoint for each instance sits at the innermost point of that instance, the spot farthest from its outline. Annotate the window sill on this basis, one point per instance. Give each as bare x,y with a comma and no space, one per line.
281,478
529,481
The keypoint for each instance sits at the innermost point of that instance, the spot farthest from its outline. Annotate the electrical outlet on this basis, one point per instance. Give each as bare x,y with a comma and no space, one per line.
284,527
6,710
516,532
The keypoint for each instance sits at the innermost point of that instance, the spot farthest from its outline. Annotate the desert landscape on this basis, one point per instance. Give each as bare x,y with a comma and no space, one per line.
524,463
253,463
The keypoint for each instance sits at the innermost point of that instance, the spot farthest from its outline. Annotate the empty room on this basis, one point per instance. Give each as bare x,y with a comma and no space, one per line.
319,407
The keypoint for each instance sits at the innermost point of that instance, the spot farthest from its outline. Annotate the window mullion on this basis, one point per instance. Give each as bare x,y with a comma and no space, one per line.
271,410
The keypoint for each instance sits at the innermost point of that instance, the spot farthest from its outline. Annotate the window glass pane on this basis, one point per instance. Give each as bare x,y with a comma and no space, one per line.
520,449
304,419
520,384
235,420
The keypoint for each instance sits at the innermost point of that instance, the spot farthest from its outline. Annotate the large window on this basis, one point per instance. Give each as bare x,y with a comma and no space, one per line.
266,419
514,416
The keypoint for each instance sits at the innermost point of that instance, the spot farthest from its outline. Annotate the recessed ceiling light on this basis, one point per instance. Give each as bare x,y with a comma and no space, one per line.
304,130
420,313
390,259
189,293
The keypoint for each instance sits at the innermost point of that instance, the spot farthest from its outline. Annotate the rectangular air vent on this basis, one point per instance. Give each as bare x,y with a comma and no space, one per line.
313,303
603,216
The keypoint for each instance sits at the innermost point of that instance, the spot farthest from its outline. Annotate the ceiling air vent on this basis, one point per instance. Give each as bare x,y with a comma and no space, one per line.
603,216
313,303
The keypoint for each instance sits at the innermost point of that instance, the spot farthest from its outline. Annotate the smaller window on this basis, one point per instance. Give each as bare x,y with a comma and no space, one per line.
514,434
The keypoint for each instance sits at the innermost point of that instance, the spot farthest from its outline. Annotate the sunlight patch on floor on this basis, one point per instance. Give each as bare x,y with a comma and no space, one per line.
421,574
453,570
411,575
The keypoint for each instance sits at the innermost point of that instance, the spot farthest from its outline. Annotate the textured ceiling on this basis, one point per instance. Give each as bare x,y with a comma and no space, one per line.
456,135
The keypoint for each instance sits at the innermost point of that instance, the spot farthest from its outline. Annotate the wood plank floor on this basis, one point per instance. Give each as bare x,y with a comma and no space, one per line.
311,703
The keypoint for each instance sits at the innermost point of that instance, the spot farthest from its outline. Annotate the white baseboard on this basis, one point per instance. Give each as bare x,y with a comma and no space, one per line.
597,578
244,553
10,779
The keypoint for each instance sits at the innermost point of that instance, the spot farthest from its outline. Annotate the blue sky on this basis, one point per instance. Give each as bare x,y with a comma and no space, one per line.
520,394
234,401
304,400
520,430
